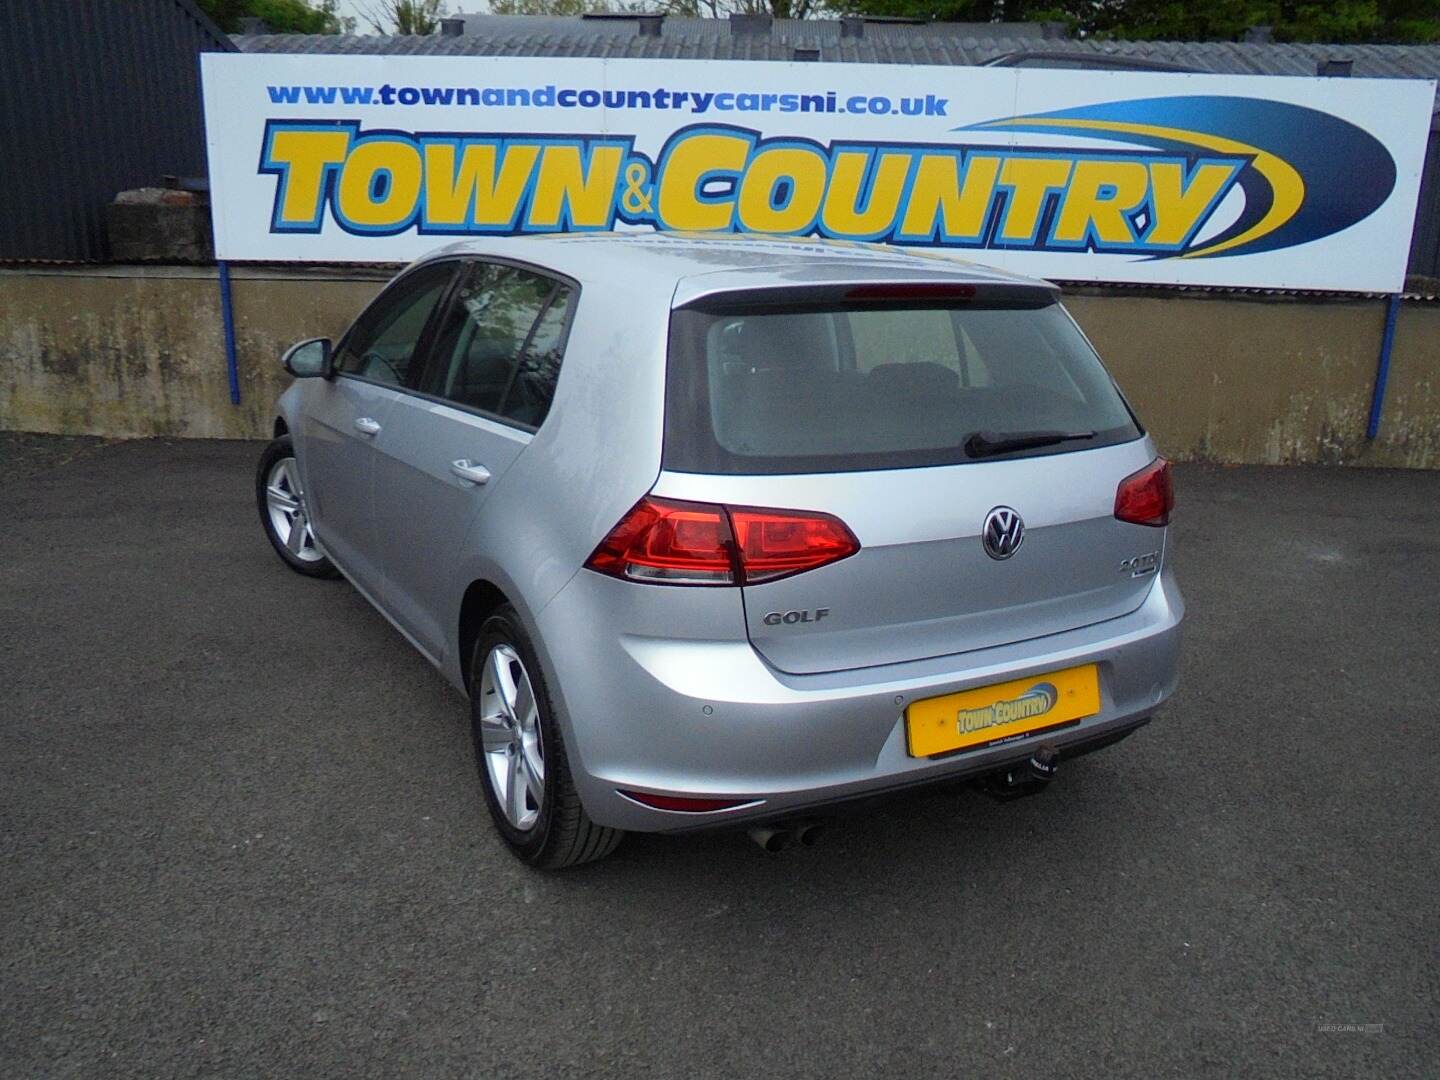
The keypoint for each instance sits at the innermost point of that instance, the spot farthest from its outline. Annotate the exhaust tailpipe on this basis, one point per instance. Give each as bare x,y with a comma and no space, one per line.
809,832
783,834
772,838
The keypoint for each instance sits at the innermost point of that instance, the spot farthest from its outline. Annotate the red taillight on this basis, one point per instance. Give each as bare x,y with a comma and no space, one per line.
664,541
1148,496
685,804
774,543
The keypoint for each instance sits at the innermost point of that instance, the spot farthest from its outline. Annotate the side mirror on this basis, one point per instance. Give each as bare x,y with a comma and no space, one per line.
309,359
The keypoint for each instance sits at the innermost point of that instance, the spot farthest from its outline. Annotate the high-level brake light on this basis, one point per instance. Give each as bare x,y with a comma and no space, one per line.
912,290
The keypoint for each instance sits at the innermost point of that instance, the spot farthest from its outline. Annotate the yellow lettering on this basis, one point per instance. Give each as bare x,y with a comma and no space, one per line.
842,214
1030,180
679,205
365,203
799,171
305,156
1097,199
1177,209
937,192
480,190
564,184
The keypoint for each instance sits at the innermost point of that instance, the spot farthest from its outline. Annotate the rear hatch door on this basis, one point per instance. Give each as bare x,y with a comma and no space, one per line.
912,413
923,583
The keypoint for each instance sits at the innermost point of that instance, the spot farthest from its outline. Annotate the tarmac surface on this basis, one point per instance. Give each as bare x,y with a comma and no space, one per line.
241,832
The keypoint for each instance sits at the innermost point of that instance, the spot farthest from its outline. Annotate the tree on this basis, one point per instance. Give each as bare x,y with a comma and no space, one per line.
280,16
710,9
1289,20
548,7
1191,20
719,9
404,17
971,11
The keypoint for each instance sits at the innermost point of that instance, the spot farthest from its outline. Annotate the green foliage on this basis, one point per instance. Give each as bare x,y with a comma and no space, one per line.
547,7
711,9
1189,20
281,16
404,16
977,11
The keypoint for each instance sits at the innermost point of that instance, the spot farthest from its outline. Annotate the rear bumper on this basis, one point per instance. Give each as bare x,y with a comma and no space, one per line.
862,799
711,718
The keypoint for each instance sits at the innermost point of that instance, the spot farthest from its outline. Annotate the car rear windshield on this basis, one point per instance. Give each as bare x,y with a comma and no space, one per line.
840,386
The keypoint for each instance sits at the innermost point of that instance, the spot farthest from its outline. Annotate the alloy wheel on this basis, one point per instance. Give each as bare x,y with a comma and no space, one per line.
510,738
289,516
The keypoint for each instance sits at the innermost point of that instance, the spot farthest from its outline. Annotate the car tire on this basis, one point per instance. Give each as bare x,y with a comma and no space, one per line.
284,514
511,745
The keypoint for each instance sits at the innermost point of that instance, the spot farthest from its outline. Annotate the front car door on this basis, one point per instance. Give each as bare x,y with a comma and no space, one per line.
342,416
487,387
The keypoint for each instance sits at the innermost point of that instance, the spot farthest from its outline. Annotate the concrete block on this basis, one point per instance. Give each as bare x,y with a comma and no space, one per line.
160,225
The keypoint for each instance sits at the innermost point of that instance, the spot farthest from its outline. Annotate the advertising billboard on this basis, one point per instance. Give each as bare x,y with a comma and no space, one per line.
1250,181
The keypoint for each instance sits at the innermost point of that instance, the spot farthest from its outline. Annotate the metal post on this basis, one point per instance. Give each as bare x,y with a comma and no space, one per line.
227,315
1382,370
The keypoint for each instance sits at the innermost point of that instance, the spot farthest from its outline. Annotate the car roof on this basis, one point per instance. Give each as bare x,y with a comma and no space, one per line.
692,264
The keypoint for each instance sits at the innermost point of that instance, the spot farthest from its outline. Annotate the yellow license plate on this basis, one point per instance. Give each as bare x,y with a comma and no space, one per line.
989,715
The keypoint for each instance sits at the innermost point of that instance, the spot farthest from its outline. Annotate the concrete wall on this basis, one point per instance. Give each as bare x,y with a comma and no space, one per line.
129,351
1220,377
134,351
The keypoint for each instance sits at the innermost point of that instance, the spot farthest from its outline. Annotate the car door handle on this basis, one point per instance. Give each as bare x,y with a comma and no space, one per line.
367,426
470,472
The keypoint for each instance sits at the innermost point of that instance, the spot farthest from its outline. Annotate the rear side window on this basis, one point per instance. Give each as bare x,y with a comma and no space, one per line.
845,387
500,345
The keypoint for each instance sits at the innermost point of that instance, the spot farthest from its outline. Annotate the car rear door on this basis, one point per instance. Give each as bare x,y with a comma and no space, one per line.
448,446
341,417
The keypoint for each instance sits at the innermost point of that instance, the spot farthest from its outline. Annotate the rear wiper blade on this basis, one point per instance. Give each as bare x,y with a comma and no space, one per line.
989,443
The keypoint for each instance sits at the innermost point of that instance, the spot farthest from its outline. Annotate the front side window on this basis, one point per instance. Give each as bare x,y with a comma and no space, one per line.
767,388
383,344
500,346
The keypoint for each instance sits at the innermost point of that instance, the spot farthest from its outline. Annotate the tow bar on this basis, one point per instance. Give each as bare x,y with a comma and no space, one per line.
1028,777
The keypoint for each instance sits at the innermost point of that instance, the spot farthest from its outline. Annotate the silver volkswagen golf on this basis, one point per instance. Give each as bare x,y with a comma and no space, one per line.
734,531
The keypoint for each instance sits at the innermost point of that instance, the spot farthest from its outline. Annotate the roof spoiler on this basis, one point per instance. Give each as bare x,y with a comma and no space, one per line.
900,293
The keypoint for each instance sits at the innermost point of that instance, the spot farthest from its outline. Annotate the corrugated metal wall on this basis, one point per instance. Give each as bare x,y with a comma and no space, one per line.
96,96
1425,247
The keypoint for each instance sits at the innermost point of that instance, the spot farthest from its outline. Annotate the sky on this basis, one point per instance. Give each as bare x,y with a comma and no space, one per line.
362,26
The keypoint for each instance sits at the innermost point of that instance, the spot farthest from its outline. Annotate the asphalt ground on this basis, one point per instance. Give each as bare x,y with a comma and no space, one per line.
241,834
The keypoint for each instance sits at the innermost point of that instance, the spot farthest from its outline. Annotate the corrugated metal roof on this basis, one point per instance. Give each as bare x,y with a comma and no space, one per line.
860,42
560,41
1254,58
96,98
